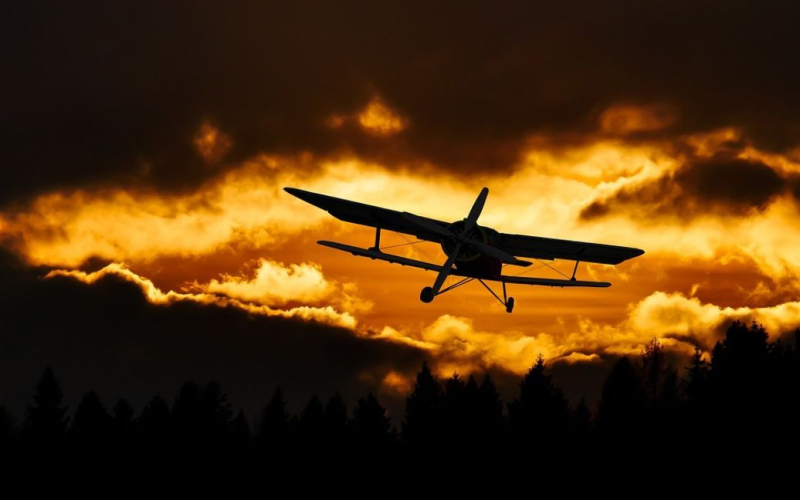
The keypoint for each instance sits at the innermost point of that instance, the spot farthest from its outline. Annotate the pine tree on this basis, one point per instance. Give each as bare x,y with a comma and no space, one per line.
697,381
45,420
619,414
582,422
122,421
311,424
739,382
453,414
421,423
239,434
154,423
216,412
334,421
654,368
541,411
490,404
371,427
7,430
187,416
91,424
272,426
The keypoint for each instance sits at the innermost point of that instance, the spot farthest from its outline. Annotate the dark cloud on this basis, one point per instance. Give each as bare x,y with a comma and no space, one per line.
722,185
107,337
738,184
113,92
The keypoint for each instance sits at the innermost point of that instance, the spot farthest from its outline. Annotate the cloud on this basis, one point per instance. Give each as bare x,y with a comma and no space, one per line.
594,193
114,333
122,105
115,299
377,118
680,323
246,206
322,314
455,345
720,186
277,284
211,143
624,119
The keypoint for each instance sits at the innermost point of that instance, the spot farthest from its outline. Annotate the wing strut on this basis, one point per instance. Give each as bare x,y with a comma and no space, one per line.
507,301
575,270
377,246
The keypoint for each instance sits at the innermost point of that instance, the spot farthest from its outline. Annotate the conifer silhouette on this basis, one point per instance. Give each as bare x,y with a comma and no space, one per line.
747,396
371,426
239,435
7,430
154,423
421,424
621,408
91,424
272,430
334,421
540,406
45,420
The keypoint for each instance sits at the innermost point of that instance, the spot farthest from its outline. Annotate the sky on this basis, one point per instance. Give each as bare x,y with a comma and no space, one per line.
145,147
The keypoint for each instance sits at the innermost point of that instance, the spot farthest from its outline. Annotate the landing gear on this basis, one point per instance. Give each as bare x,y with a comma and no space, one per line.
427,294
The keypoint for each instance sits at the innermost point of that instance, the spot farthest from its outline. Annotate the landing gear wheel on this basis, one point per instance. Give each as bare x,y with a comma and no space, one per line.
510,304
426,295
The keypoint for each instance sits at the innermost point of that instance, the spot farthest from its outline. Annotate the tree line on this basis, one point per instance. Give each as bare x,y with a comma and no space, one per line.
748,392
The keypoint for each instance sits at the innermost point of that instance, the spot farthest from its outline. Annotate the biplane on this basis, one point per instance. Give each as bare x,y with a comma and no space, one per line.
474,252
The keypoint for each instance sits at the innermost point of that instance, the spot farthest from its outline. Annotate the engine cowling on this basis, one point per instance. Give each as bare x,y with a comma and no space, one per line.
467,253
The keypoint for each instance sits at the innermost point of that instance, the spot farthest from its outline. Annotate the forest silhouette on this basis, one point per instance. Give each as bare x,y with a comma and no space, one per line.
747,393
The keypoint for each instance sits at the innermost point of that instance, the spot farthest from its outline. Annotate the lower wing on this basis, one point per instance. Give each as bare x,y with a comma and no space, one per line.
404,261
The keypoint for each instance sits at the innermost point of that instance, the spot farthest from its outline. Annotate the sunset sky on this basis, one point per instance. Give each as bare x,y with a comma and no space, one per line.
150,144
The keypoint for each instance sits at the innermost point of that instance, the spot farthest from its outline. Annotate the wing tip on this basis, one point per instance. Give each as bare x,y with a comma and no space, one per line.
306,196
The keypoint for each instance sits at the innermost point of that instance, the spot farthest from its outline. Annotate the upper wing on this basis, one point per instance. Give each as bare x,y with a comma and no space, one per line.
549,248
367,215
519,245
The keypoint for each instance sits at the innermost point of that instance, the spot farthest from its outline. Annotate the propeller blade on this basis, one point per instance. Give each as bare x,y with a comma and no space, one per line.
427,224
477,208
446,268
493,252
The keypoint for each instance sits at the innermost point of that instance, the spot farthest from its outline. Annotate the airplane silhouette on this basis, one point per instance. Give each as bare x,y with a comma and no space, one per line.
473,252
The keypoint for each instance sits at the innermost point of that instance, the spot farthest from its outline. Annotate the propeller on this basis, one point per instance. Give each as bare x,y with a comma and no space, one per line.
460,239
446,268
470,222
476,210
494,252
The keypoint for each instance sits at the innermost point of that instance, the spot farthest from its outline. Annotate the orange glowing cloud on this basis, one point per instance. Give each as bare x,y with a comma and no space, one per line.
244,214
397,383
277,284
623,119
246,207
379,119
325,314
211,143
456,345
680,323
